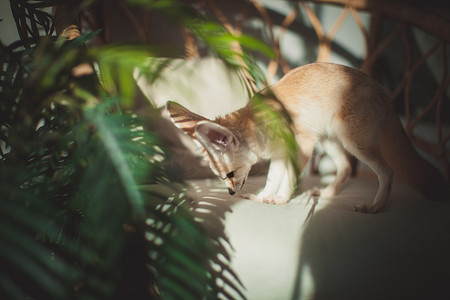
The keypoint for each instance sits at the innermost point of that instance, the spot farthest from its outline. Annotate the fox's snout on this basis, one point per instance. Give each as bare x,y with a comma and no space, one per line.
236,187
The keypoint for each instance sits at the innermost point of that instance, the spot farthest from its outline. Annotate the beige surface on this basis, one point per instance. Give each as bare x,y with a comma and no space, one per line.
321,249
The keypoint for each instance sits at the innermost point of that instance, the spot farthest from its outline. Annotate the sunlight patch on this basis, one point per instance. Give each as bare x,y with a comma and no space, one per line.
307,286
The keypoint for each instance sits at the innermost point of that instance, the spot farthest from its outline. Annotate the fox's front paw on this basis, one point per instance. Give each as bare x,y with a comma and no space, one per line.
316,192
270,199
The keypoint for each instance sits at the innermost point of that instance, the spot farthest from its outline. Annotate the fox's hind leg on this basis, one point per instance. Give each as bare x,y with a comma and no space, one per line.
343,167
385,177
370,155
362,139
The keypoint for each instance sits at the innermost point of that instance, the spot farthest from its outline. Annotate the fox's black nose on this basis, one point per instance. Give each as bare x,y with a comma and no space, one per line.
231,192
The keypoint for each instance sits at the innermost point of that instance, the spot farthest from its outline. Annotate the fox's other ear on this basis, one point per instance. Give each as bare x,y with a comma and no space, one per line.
213,135
183,118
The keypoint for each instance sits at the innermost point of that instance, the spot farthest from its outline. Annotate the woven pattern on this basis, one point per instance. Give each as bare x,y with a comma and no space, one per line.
405,18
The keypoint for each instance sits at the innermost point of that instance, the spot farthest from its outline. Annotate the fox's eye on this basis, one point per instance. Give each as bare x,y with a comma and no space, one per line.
230,175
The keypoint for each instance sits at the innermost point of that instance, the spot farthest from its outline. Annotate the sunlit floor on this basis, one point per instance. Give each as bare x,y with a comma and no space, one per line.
321,249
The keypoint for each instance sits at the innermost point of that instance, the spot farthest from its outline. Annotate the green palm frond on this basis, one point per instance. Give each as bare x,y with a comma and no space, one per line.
85,199
116,65
87,208
187,260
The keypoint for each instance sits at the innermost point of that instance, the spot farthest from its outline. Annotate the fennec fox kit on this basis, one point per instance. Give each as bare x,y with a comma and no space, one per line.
340,107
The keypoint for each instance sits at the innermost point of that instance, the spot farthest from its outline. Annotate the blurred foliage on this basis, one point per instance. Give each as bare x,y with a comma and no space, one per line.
87,209
232,49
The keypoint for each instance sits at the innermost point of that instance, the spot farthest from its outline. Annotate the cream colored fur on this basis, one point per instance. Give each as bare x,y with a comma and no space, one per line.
338,106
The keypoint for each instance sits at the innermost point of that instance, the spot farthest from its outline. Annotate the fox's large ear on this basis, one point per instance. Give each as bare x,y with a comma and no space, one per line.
213,135
183,118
